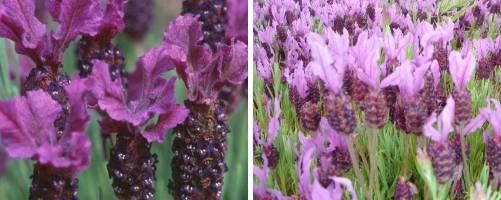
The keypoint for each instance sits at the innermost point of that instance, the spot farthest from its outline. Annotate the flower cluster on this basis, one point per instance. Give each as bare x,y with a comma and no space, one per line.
47,123
392,62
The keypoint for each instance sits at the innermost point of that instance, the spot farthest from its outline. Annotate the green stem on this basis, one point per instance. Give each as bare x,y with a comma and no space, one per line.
356,167
373,178
407,146
466,169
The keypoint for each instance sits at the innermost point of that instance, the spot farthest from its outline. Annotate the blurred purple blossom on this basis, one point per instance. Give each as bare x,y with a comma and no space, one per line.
461,69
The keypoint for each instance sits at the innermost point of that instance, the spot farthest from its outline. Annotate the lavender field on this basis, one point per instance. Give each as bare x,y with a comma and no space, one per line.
396,99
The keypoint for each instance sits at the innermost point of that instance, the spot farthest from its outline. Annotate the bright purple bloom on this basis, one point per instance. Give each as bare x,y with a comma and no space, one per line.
493,116
322,64
461,69
28,129
395,45
445,119
364,57
203,71
261,191
408,78
148,94
237,20
484,46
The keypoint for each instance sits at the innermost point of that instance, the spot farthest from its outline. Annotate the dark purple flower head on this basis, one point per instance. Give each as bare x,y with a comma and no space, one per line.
204,71
28,131
149,94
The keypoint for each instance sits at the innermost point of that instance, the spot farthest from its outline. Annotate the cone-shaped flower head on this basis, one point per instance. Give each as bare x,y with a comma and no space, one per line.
461,69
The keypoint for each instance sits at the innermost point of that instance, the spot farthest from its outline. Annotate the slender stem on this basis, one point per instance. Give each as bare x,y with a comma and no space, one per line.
360,151
407,146
356,167
496,179
466,169
373,178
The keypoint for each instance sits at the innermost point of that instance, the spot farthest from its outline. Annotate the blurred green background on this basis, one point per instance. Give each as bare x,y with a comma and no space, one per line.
94,182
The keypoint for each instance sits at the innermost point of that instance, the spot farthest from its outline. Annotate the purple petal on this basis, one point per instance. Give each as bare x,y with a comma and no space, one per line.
19,24
474,124
233,70
75,17
274,124
237,20
461,69
28,122
429,130
113,22
72,154
184,32
79,117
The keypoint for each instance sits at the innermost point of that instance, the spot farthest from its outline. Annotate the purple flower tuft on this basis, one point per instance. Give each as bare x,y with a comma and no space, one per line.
461,69
203,71
148,95
28,131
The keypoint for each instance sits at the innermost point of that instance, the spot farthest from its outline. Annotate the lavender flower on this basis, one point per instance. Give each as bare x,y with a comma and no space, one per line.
199,158
493,143
461,70
131,164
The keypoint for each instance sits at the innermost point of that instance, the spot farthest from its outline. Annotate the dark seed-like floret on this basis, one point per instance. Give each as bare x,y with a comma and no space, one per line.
199,150
462,110
440,54
415,116
51,183
310,116
131,167
272,155
212,16
493,152
485,69
374,106
340,113
404,190
91,48
442,161
338,163
53,84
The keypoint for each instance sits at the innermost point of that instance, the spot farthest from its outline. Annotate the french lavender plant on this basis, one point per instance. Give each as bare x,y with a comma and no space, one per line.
212,59
269,150
493,142
98,46
130,114
47,123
